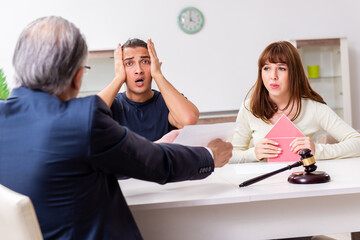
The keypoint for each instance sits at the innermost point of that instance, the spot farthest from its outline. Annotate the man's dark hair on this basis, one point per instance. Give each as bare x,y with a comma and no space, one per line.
133,43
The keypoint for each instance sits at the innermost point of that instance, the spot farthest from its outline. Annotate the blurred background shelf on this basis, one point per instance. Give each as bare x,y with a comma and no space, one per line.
333,83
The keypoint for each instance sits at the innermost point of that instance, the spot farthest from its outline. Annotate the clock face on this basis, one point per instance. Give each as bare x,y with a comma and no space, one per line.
190,20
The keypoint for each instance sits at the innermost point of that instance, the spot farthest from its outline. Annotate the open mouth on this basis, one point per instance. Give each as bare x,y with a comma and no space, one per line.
139,82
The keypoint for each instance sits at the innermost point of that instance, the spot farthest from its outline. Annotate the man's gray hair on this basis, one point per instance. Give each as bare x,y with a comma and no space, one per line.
49,52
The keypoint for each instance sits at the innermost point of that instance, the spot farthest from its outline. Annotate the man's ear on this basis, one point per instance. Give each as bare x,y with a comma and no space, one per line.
77,79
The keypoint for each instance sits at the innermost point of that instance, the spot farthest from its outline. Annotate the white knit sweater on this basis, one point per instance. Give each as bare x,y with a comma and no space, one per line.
314,117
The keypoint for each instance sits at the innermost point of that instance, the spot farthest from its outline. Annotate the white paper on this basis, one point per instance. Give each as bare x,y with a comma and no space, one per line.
201,135
260,168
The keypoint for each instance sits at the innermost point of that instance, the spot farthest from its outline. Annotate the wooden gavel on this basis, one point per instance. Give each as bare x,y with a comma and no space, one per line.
307,160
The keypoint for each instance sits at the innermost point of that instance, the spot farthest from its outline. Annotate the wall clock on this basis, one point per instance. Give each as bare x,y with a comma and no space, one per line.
191,20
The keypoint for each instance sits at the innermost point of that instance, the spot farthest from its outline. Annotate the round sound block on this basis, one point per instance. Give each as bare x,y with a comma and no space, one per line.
309,178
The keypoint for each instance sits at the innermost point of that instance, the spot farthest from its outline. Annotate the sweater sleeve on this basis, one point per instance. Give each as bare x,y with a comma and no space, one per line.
241,139
348,138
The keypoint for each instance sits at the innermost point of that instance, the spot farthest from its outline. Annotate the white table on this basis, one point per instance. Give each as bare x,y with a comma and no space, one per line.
216,208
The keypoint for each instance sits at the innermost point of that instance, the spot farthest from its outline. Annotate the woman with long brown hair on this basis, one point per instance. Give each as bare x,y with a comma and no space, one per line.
282,88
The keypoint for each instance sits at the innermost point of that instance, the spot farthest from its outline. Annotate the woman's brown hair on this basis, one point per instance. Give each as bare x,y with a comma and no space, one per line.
261,105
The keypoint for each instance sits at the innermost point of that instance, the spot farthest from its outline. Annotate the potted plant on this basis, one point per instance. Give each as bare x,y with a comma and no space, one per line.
4,90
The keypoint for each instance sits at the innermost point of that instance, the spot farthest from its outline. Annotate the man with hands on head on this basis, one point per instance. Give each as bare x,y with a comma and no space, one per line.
72,150
145,111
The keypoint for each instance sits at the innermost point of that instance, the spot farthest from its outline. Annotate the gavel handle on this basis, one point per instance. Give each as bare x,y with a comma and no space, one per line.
262,177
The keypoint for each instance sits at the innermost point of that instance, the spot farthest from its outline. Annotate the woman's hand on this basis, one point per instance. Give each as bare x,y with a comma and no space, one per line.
301,143
267,148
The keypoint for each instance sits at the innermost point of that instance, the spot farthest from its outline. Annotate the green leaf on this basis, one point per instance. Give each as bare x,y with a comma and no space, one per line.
4,90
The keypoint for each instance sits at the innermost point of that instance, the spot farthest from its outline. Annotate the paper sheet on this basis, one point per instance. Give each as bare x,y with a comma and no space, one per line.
260,168
201,135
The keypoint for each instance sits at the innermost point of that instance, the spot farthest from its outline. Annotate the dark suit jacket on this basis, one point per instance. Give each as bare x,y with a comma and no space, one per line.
66,157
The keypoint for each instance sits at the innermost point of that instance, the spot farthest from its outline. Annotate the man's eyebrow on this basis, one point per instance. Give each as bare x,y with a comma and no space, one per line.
130,58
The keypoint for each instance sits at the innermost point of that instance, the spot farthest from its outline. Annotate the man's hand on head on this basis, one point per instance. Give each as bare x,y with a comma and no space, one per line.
119,65
155,63
222,151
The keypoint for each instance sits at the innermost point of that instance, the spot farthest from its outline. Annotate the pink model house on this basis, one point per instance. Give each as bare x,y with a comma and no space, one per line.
284,132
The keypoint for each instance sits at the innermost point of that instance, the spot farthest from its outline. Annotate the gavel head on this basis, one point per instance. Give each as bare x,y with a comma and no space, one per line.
308,160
